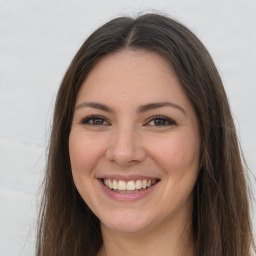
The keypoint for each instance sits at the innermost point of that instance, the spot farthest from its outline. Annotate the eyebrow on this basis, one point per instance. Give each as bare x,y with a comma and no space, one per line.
141,109
156,105
94,105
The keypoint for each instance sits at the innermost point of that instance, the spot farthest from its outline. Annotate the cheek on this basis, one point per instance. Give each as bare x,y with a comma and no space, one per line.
177,153
84,153
178,157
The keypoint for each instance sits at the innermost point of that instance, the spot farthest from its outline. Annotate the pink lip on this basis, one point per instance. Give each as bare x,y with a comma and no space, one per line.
123,197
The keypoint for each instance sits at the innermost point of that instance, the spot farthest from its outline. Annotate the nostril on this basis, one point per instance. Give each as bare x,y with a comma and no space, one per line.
125,156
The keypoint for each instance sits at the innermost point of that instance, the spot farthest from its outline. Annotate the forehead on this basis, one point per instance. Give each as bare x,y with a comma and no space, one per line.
132,75
137,64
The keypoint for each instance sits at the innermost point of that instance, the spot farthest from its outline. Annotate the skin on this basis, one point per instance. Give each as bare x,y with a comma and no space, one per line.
127,142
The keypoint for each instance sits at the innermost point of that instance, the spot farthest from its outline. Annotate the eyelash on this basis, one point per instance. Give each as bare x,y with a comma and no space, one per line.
92,118
162,118
86,121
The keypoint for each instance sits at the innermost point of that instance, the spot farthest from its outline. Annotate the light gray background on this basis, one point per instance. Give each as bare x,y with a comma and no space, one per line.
38,39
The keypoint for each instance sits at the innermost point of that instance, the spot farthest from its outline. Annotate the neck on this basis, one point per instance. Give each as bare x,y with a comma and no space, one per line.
173,238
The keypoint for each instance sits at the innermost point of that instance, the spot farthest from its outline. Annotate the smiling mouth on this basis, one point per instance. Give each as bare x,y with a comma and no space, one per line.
130,186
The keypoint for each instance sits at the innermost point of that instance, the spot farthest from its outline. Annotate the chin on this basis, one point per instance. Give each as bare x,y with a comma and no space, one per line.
125,227
126,223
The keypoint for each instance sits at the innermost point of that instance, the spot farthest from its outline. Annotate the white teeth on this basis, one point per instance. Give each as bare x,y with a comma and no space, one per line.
130,185
138,184
115,185
121,185
110,184
144,184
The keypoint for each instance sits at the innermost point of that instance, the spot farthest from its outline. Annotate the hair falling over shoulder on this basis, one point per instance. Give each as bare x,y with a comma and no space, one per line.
221,216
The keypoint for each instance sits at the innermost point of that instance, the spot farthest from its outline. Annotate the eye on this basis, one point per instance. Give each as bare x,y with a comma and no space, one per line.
160,121
94,120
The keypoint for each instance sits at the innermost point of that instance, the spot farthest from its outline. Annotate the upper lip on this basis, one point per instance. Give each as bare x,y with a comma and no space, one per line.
127,177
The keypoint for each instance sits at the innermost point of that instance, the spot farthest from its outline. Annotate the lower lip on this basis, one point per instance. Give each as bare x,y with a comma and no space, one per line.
123,197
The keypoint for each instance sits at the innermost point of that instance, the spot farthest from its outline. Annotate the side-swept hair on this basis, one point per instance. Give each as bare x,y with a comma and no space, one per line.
221,218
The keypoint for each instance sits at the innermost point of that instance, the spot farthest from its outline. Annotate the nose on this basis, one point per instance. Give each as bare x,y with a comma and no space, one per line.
125,148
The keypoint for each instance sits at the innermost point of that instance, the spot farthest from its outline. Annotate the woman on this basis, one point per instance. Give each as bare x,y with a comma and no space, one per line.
144,157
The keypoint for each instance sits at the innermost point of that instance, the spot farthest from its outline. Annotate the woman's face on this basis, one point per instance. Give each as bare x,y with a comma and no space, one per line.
134,143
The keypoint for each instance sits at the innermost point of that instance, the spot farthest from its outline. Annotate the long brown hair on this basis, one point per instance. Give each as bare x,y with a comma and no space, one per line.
221,219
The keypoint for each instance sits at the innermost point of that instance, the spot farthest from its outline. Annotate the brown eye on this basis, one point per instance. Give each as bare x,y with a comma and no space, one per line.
161,121
94,120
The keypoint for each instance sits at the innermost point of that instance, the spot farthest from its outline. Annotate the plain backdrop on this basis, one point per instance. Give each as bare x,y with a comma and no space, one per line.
38,39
